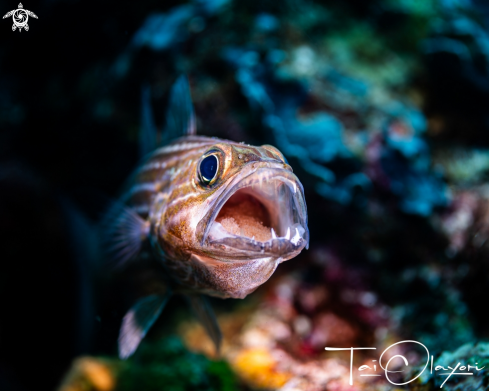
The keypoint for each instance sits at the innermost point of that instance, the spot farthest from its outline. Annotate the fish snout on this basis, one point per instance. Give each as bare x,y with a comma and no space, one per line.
262,214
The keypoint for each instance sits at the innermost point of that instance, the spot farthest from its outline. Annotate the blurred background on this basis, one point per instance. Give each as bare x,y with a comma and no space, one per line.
382,109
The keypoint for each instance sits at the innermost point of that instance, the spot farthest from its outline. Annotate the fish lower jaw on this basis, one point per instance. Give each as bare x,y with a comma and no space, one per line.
292,241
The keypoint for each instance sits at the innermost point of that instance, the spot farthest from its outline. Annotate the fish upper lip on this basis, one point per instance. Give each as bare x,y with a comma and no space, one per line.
293,241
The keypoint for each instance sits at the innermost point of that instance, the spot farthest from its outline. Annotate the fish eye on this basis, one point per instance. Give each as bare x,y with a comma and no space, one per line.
208,169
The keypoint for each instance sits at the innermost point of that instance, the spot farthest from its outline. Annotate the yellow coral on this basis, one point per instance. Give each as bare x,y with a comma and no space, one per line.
88,373
259,369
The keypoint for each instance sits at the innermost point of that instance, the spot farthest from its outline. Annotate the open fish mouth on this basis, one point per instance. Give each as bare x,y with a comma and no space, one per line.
263,214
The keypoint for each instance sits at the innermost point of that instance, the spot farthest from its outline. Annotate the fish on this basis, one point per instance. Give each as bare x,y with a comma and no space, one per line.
218,216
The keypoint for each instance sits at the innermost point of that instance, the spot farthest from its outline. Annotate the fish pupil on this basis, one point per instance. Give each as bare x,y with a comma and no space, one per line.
208,168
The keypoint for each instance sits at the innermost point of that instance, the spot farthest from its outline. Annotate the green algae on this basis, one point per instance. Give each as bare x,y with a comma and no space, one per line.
167,365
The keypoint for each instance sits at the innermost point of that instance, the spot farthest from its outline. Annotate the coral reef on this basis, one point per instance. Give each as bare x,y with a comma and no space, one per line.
279,343
474,354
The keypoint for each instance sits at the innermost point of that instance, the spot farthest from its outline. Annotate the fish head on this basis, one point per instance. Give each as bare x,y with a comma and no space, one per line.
241,204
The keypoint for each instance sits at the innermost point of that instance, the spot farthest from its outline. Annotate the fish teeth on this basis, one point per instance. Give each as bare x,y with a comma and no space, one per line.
287,235
296,237
274,236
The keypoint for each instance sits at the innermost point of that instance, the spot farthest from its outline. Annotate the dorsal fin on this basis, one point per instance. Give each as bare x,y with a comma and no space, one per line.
148,134
180,117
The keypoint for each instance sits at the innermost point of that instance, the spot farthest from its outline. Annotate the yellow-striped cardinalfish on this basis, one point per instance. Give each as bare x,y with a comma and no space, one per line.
217,215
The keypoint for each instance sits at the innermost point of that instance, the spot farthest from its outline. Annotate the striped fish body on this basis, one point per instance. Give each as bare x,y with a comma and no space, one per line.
179,210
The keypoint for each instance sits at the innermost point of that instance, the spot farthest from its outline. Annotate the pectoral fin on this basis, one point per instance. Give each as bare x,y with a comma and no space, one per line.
204,312
123,232
138,321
